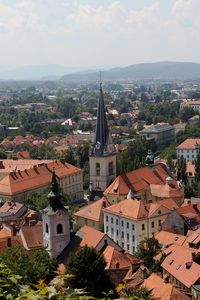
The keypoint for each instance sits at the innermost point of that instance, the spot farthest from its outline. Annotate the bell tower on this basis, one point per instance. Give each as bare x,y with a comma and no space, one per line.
55,218
102,158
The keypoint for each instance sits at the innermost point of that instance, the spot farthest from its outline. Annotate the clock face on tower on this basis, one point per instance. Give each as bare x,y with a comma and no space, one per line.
98,146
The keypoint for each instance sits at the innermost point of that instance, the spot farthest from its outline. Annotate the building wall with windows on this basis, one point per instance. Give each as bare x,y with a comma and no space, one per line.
188,149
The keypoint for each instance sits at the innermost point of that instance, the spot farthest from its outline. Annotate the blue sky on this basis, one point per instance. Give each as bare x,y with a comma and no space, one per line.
89,33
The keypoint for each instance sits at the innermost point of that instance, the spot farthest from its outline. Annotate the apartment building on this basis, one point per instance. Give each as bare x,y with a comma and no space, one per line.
188,149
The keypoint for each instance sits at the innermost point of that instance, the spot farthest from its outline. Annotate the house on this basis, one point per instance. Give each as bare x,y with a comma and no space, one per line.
181,266
188,149
193,120
18,184
162,289
192,239
32,236
147,183
182,219
190,103
163,134
130,221
91,214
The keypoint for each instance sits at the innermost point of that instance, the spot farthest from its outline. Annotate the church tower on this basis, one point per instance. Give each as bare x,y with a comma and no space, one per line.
56,228
102,154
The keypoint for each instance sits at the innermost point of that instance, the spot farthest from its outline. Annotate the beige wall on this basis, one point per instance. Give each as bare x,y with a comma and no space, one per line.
80,221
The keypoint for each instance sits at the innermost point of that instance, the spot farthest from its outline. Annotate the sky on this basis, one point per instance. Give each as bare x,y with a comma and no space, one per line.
89,33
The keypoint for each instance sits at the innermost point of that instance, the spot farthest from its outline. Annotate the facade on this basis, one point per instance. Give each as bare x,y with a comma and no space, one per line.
130,221
163,134
188,149
17,185
194,104
102,159
56,228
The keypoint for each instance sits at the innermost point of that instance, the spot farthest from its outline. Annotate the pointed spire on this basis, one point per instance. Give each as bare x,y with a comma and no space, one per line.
102,133
54,196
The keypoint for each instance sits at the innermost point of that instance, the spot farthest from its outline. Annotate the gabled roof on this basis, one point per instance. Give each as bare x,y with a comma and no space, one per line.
135,209
137,180
166,191
33,178
90,236
116,259
189,143
92,211
161,290
176,265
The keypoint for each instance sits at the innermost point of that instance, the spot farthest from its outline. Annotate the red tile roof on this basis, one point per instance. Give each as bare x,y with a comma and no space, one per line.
91,237
189,143
168,238
33,235
175,264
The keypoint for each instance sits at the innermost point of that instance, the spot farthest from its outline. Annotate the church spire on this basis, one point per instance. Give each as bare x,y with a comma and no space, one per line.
54,197
101,138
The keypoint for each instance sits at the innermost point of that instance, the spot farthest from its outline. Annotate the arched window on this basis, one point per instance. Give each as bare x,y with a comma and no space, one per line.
59,229
47,228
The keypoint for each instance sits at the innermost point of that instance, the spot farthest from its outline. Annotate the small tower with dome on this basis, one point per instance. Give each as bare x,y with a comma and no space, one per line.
56,226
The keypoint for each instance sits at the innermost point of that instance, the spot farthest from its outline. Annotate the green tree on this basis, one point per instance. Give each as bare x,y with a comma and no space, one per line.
9,283
197,168
147,249
186,113
181,170
88,269
142,294
30,265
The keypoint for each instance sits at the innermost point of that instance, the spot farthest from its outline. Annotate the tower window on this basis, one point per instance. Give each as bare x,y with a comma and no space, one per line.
47,228
97,169
110,168
59,229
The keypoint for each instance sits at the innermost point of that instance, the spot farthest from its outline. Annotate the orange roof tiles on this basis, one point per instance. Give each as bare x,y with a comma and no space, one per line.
168,238
92,211
189,143
4,233
11,207
175,264
166,191
33,235
91,237
33,178
161,290
135,209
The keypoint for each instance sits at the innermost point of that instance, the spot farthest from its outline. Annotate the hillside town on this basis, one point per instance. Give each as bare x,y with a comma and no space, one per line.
126,188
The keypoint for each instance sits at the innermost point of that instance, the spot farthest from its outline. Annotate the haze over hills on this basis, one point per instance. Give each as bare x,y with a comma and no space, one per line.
159,70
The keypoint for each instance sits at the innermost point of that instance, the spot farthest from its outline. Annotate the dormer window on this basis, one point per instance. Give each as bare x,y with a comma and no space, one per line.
59,229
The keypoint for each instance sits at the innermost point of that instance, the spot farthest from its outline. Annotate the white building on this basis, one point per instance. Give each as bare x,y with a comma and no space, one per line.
194,104
130,221
188,149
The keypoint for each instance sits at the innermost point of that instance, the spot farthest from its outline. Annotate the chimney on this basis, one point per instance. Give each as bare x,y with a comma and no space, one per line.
104,203
188,264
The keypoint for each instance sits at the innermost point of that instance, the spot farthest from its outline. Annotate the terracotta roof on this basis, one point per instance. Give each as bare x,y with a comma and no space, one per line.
33,235
187,211
4,233
11,207
90,236
92,211
166,191
192,238
161,290
21,181
189,143
135,209
138,180
166,238
116,259
23,155
175,264
10,165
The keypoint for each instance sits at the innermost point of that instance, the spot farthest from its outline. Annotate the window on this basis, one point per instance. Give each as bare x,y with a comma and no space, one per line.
133,238
106,228
47,228
127,236
128,247
122,234
110,169
117,232
122,245
117,221
143,226
112,230
133,249
112,220
97,169
159,222
122,223
127,225
106,218
152,224
133,227
59,229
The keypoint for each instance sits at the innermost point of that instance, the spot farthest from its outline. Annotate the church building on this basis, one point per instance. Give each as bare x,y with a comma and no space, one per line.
102,159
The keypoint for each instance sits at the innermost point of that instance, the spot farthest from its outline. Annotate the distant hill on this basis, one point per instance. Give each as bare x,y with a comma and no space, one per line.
40,72
158,70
